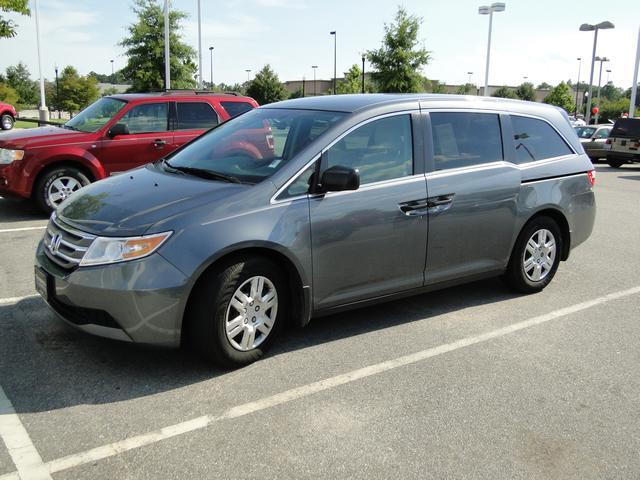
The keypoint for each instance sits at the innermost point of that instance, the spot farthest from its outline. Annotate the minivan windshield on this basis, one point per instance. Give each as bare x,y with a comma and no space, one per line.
253,146
96,115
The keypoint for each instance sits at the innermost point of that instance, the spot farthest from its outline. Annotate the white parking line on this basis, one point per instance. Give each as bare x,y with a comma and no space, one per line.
23,453
12,300
22,229
199,423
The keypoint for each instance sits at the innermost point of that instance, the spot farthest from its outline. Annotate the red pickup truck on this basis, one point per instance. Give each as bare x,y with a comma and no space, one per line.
114,134
8,116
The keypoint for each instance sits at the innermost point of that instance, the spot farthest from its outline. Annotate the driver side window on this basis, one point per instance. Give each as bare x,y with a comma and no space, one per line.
147,118
379,150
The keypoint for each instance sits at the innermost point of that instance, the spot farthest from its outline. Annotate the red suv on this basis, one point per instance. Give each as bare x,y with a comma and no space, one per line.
114,134
8,116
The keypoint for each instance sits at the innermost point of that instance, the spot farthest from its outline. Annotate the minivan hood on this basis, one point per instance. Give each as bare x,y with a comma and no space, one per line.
129,203
41,136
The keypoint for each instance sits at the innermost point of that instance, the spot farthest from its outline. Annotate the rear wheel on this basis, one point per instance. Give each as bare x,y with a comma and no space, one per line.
57,185
615,163
535,257
236,311
6,122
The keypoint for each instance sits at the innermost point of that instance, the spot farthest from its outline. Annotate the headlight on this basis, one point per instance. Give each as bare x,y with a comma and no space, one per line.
105,250
8,155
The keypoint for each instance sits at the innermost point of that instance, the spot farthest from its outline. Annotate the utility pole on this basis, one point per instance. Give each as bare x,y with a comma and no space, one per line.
634,86
362,73
43,113
199,48
167,58
335,53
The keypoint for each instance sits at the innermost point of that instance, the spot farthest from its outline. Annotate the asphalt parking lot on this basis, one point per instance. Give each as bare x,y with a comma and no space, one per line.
469,382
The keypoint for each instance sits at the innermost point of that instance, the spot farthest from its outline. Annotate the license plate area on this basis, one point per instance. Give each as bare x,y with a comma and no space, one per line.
43,282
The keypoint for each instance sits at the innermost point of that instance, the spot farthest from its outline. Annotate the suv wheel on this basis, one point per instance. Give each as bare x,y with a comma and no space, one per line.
615,163
6,121
535,257
236,311
57,185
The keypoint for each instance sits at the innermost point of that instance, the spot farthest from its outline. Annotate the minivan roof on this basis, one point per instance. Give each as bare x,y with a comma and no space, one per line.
355,102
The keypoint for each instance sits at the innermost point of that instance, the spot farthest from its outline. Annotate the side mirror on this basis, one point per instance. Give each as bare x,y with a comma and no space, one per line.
118,129
339,178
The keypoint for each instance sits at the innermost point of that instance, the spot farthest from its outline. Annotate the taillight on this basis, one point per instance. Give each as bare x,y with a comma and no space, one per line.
608,142
591,174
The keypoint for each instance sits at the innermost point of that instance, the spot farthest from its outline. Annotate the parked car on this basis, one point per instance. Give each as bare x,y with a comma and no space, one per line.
593,138
112,135
365,198
623,144
8,116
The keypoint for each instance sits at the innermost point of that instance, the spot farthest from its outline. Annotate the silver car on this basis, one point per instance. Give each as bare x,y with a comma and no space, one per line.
593,139
307,207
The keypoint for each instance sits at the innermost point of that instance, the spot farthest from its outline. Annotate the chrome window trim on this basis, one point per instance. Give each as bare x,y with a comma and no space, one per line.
317,157
564,139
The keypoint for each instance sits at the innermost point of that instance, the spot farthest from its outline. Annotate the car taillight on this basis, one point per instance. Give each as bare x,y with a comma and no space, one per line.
608,142
591,174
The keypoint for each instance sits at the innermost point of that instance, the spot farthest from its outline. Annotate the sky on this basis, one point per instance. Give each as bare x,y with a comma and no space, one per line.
535,39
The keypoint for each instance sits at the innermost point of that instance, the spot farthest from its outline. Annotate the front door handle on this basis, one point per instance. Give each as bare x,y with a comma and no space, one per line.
440,203
414,208
159,143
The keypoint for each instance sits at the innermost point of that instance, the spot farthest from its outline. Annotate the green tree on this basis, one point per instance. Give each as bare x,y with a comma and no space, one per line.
352,82
504,92
145,50
545,86
525,92
19,79
76,92
296,94
436,86
627,94
266,87
8,94
561,96
611,92
467,89
397,63
612,109
8,27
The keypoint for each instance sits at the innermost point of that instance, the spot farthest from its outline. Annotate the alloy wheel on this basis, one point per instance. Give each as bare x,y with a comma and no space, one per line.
539,255
61,189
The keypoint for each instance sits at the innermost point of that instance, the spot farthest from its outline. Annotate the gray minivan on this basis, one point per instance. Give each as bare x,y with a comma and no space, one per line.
307,207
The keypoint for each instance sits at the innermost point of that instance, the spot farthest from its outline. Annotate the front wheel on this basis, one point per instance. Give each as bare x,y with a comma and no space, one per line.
57,185
535,257
236,311
6,122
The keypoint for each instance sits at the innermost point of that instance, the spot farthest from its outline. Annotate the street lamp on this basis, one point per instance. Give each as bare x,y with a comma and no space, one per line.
363,58
111,68
601,60
586,27
575,114
469,81
315,67
248,72
43,113
608,72
488,10
211,53
335,53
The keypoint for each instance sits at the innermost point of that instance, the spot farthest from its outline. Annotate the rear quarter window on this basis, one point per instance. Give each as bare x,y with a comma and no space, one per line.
236,108
535,139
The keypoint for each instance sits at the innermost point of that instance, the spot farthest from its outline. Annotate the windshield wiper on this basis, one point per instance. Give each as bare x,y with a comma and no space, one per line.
64,125
204,173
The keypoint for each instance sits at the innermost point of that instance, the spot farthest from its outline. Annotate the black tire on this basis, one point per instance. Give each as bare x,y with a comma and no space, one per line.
42,186
515,276
615,163
7,122
205,318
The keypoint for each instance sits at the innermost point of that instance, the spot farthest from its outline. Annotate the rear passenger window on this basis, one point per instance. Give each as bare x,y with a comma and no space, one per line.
536,140
147,118
463,139
236,108
196,116
379,150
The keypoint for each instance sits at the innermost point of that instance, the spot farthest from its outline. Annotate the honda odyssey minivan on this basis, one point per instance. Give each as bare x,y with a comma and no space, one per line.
364,198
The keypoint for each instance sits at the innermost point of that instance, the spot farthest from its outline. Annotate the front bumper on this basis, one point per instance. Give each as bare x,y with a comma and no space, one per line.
13,182
141,301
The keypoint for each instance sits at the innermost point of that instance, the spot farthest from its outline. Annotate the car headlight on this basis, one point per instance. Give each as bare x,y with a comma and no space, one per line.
106,250
8,155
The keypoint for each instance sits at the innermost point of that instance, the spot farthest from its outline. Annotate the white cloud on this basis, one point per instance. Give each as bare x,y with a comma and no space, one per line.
233,27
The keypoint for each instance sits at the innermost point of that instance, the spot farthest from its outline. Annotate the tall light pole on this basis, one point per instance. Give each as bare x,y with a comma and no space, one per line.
575,114
111,67
167,58
634,85
43,113
586,27
199,48
488,10
315,67
469,81
601,60
57,91
363,58
335,53
608,72
248,70
211,52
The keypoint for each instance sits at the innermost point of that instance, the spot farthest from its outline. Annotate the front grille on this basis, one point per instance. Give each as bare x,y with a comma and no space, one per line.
64,245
